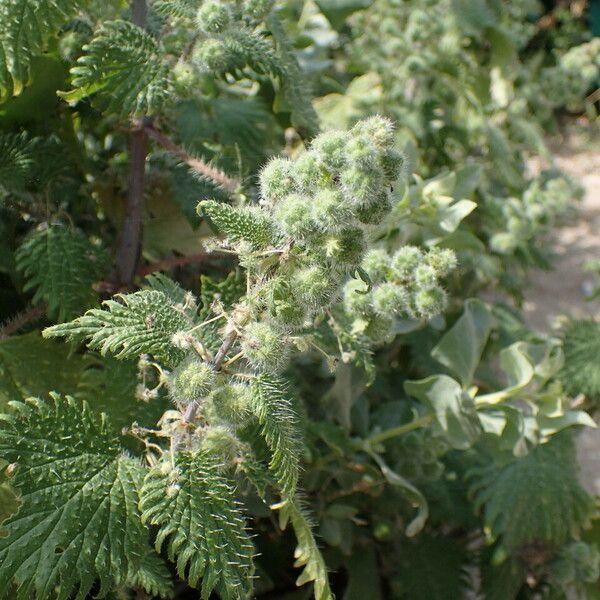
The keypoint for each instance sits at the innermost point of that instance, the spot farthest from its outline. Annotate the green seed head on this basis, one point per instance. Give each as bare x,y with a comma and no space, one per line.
191,380
378,129
362,152
405,261
361,187
212,55
294,213
314,285
213,17
264,347
347,247
377,264
276,180
307,173
330,150
258,9
356,301
231,403
430,302
375,213
220,443
392,162
390,299
330,212
442,260
425,276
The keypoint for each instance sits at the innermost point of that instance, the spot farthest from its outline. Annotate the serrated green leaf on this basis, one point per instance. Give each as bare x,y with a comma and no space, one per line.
79,521
201,523
61,265
139,323
123,65
271,403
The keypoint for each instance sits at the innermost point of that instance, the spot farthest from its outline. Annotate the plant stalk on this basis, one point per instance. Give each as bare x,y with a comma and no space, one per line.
129,251
401,429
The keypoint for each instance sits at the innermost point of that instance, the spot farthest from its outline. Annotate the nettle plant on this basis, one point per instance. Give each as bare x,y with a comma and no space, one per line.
330,366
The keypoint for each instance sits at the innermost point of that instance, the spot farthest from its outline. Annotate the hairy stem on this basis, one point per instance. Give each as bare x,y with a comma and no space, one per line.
21,319
129,250
196,164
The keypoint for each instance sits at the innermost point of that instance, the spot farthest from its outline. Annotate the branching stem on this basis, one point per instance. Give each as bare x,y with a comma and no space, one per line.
388,434
196,164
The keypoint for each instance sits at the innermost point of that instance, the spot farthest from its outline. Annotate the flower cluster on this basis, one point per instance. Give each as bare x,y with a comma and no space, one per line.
405,285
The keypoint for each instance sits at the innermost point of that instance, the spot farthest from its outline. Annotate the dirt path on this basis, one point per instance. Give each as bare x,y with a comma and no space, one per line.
562,291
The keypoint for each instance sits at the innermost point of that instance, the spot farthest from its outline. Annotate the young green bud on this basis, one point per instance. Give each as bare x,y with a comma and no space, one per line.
361,151
294,213
220,444
213,17
330,150
361,188
374,214
330,212
257,9
378,129
430,302
231,403
356,300
405,261
380,328
442,260
284,303
212,55
191,380
307,173
390,299
347,247
276,180
264,347
425,276
377,264
392,162
313,285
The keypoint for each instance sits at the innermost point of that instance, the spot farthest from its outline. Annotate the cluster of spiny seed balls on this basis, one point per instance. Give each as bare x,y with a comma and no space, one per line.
405,285
320,204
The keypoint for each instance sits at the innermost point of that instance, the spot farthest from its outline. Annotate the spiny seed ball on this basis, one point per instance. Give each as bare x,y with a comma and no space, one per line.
258,9
378,129
361,152
377,264
191,380
360,186
330,212
307,172
380,328
405,261
314,285
264,347
284,304
330,150
392,162
294,212
430,302
213,17
220,443
425,276
276,180
390,299
374,214
356,300
347,247
442,260
231,402
212,55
